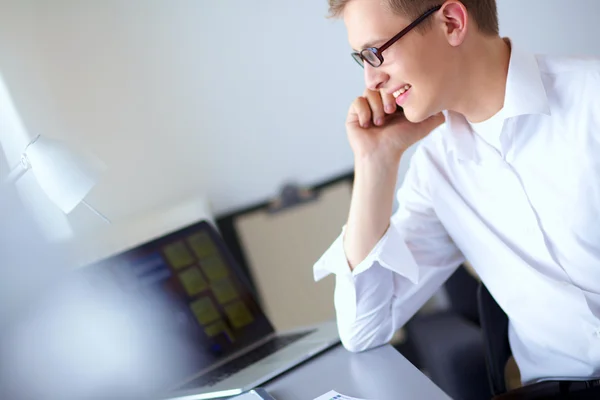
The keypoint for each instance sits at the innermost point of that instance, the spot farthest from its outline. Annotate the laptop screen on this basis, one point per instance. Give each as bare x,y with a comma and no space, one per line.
193,275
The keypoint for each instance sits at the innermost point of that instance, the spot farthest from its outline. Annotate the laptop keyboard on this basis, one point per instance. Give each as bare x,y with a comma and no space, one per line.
217,375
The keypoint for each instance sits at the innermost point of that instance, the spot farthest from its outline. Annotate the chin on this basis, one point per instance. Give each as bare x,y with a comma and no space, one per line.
415,115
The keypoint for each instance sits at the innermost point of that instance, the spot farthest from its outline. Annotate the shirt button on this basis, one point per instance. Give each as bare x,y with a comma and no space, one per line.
597,333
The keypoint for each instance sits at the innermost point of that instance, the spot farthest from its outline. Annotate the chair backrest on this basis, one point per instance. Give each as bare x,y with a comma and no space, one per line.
461,289
494,328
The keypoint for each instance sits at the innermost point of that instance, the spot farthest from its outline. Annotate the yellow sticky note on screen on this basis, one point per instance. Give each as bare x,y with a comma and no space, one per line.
217,328
193,281
205,311
178,255
214,268
202,245
238,314
224,290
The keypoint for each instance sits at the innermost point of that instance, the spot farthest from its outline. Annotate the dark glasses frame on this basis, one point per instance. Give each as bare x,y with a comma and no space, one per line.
368,53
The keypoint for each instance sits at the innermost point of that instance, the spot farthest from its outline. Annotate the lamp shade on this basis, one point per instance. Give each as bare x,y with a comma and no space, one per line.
64,175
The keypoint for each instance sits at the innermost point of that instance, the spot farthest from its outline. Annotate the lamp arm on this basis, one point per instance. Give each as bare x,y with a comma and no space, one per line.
15,173
98,213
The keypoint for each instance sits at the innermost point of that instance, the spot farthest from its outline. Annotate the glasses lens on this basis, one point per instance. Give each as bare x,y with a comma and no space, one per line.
357,57
369,56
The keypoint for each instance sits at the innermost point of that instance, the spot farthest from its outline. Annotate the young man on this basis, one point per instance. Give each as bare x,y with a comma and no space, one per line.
507,176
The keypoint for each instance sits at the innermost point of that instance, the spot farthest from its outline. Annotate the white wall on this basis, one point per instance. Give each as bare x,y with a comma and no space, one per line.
227,98
552,26
179,96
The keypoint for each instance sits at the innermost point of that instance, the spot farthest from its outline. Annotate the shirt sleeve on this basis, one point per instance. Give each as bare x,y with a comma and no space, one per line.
405,268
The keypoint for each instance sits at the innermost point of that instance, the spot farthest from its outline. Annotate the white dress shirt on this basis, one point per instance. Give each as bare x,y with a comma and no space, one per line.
490,130
526,215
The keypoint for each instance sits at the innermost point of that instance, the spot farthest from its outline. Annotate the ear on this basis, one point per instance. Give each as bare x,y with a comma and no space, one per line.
455,19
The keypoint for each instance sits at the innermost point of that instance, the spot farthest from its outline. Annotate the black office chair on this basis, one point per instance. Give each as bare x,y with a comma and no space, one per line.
494,328
448,344
464,349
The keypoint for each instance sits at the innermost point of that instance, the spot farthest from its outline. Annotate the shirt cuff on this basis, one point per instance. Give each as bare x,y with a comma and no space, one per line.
333,261
391,252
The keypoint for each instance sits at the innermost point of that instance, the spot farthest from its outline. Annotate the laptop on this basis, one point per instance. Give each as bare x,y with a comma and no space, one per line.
234,345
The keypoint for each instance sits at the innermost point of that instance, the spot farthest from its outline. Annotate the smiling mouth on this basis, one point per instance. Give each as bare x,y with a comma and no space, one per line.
401,91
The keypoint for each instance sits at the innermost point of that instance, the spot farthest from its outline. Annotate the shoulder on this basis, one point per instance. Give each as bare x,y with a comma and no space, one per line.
571,83
568,66
572,86
575,73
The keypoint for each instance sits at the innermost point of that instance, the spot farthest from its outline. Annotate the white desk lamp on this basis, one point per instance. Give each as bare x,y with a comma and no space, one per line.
66,177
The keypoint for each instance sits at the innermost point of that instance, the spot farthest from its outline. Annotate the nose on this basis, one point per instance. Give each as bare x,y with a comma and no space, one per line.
375,78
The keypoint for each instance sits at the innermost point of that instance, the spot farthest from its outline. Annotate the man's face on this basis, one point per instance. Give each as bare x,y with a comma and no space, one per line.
419,60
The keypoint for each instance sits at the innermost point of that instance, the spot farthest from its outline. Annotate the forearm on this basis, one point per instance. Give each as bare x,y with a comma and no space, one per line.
363,309
378,302
370,208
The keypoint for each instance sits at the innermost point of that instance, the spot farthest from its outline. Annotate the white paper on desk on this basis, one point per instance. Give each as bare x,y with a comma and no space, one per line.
333,395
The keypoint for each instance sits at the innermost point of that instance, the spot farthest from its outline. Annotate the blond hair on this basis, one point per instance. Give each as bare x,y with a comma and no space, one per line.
483,12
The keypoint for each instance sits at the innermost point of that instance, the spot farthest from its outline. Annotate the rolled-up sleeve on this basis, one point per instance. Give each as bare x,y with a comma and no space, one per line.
404,269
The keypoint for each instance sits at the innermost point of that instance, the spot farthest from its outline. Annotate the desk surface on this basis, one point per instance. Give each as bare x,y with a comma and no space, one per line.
378,374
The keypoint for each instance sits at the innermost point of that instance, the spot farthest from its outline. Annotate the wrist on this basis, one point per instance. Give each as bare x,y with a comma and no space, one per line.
379,163
375,178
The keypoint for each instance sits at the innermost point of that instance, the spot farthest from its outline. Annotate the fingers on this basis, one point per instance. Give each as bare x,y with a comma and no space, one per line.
389,103
371,108
360,108
376,105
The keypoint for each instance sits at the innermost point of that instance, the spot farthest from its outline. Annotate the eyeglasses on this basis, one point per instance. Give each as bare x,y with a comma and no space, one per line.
372,55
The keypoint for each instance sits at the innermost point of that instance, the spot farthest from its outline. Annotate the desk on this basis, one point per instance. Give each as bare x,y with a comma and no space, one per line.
378,374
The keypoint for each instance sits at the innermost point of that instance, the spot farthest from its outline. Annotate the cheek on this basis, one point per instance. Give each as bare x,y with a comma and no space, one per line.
395,66
429,80
427,62
413,68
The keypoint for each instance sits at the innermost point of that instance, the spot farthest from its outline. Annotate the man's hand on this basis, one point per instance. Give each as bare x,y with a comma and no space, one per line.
376,128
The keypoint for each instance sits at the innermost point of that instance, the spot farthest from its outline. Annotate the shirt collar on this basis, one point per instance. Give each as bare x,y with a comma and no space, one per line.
525,95
460,136
525,92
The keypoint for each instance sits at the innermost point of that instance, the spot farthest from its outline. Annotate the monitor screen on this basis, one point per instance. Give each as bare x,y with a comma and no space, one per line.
191,274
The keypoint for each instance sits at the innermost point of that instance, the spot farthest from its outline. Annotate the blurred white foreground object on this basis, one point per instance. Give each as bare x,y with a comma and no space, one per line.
69,334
